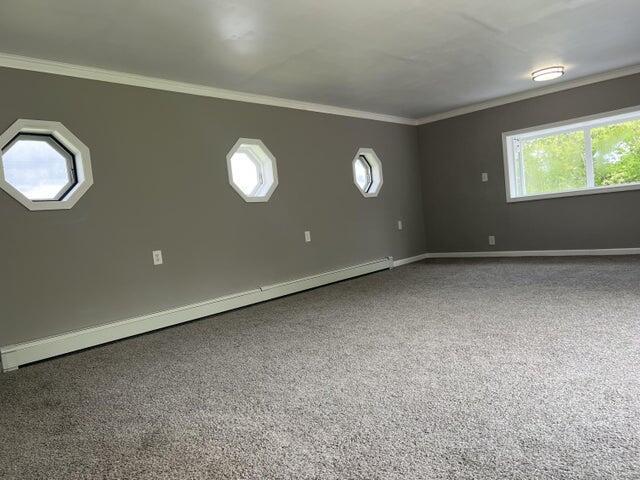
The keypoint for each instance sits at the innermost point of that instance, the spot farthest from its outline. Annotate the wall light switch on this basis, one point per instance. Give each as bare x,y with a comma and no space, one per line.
485,177
157,257
307,236
492,240
399,224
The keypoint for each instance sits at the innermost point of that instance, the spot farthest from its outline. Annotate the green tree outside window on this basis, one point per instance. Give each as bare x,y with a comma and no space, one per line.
559,162
616,153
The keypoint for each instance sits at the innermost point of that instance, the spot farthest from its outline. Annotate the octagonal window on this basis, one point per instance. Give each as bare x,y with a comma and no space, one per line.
38,167
367,172
252,170
43,165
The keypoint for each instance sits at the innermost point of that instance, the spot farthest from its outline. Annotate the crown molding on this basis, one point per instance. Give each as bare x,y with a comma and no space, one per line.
516,97
20,62
91,73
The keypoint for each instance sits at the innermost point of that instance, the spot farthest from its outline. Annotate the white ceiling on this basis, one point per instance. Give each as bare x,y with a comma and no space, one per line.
402,57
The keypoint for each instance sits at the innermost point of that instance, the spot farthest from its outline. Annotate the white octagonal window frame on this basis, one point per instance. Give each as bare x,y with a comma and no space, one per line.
57,134
253,150
367,172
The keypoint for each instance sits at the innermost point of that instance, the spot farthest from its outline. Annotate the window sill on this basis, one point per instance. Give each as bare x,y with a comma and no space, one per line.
575,193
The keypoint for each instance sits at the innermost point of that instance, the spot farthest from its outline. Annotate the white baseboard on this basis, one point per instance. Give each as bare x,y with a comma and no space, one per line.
15,355
520,253
534,253
405,261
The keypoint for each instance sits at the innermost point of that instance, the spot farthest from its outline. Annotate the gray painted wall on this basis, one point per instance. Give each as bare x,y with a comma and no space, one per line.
161,183
461,212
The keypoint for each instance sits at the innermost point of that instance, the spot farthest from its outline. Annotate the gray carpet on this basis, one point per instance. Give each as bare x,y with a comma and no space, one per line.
468,369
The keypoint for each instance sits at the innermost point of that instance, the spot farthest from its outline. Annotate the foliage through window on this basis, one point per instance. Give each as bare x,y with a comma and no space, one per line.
587,156
616,153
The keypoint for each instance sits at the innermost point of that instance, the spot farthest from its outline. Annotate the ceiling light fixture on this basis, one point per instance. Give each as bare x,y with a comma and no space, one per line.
546,74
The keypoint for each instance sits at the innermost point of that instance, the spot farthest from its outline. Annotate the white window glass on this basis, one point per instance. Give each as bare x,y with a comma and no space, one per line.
245,173
363,175
38,167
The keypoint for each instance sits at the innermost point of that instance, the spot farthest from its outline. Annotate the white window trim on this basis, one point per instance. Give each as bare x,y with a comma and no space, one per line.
376,172
72,143
269,173
582,123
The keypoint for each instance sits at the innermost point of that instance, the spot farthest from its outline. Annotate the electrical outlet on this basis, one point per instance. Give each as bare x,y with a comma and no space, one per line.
400,226
492,240
485,177
307,236
157,257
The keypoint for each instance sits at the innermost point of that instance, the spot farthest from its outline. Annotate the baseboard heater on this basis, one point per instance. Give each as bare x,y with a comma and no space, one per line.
14,356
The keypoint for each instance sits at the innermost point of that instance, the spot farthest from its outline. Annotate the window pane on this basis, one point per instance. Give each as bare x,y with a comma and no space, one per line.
616,153
554,163
363,174
245,173
37,167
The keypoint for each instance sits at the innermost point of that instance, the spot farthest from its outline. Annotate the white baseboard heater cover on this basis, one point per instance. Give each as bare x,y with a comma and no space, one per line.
23,353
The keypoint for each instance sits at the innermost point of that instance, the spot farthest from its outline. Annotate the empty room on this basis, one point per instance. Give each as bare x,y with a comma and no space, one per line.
323,240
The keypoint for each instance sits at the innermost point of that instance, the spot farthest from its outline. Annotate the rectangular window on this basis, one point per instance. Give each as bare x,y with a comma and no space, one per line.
589,155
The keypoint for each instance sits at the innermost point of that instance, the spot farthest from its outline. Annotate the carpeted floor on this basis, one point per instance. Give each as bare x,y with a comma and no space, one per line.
457,369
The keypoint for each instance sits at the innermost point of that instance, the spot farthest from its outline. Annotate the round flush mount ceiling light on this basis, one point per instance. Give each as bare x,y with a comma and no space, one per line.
546,74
